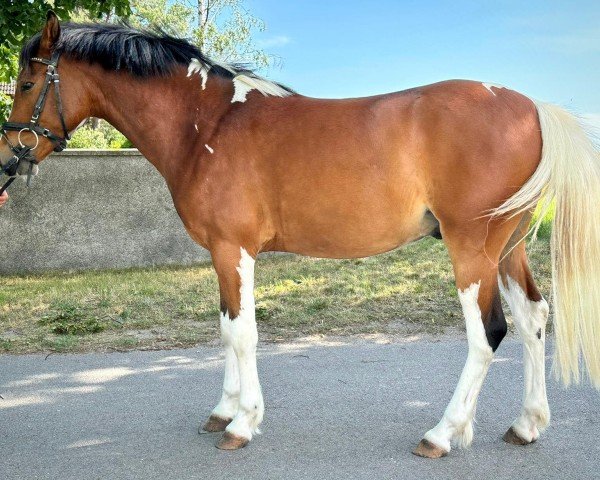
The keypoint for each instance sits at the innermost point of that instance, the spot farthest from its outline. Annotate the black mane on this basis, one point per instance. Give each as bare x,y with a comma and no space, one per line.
143,53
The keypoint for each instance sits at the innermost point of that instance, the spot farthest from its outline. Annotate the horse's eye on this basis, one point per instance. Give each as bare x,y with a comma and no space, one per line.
26,86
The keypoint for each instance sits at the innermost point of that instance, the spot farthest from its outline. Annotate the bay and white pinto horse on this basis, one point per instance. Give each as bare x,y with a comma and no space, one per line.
253,166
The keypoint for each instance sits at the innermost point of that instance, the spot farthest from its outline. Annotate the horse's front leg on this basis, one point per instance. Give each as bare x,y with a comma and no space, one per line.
241,408
228,406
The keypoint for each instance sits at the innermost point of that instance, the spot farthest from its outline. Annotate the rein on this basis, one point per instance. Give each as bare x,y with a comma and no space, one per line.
23,153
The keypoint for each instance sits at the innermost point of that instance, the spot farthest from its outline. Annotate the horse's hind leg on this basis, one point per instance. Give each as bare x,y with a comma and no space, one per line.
476,272
530,313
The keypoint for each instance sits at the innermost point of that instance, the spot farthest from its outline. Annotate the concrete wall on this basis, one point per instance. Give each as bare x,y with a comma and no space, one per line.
93,209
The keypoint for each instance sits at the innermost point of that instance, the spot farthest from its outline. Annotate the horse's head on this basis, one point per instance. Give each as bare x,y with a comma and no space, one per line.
45,106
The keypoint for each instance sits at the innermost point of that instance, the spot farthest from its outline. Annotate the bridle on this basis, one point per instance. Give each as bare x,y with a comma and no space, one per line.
23,153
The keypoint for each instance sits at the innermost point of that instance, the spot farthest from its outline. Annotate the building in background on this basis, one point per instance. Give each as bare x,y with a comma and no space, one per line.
8,88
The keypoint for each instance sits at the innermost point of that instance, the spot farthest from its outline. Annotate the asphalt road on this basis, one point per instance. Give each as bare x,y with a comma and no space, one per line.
349,410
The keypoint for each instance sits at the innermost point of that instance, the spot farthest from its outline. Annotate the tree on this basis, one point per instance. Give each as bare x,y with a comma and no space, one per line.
172,17
224,31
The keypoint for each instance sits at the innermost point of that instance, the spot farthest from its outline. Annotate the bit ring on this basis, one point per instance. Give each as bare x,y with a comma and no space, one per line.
37,138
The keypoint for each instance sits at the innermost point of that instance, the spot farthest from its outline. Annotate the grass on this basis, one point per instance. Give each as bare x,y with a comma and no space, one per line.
407,291
71,319
545,229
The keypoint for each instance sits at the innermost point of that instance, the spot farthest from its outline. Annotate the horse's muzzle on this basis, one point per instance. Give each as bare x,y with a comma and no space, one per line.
22,162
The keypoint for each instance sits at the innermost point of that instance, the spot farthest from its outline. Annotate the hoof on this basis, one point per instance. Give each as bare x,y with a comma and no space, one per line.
429,450
215,424
512,437
229,441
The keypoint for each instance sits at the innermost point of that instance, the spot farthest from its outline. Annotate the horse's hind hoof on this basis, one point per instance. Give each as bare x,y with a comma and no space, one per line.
429,450
229,441
512,437
215,424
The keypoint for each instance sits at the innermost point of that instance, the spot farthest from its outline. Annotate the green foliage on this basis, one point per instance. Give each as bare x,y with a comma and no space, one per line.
86,137
172,17
71,319
105,136
114,138
225,30
9,66
5,106
545,229
9,63
126,144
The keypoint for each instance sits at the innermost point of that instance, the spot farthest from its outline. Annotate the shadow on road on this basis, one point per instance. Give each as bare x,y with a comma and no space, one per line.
346,409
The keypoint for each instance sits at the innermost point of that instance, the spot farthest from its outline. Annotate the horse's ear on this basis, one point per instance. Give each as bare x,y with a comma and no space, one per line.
51,31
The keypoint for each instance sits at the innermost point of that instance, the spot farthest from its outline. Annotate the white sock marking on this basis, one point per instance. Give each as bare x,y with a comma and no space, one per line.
530,319
243,336
457,423
230,399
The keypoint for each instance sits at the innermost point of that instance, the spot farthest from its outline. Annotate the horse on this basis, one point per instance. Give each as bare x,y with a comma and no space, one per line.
253,166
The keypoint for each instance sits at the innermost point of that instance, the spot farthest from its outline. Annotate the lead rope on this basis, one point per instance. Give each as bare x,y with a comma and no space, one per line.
7,184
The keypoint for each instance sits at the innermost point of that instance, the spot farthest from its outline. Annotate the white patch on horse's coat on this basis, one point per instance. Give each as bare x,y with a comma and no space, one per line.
210,149
243,84
241,90
456,426
530,319
200,68
241,334
490,85
196,127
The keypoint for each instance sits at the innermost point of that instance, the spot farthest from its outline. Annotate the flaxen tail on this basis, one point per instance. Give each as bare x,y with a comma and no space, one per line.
569,174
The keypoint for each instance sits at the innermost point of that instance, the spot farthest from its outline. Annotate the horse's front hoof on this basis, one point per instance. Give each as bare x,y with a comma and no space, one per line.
427,449
229,441
513,438
215,424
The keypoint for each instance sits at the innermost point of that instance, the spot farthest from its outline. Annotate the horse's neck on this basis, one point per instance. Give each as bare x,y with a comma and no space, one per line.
165,118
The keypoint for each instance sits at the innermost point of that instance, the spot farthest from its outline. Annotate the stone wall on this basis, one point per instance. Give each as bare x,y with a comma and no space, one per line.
93,209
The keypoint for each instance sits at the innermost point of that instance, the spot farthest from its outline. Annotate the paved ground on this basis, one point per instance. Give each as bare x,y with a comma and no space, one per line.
344,411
